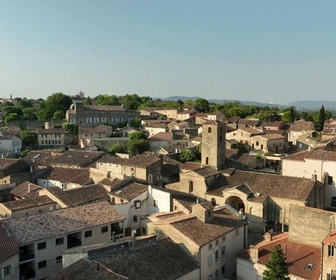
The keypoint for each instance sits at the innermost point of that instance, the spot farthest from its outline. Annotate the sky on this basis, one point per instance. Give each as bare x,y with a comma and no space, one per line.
262,50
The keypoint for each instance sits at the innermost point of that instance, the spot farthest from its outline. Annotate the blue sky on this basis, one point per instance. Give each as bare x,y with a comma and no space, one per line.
266,51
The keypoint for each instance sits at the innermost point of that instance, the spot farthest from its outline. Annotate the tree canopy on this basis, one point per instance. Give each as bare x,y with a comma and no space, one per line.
55,106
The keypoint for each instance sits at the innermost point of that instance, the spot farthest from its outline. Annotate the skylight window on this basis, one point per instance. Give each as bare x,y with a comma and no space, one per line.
309,266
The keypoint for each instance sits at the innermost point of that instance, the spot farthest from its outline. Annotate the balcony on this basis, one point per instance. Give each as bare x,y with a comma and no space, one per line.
27,256
26,252
74,240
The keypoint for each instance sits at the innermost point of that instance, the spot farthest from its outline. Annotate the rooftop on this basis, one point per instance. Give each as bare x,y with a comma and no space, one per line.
143,160
47,225
21,204
8,245
163,260
80,196
130,191
203,233
298,256
25,189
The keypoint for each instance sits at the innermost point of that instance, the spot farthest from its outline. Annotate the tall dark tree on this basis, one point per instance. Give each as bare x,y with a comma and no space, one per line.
277,266
321,119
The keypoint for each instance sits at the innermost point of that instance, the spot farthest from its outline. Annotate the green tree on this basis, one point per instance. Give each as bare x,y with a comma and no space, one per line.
11,117
138,143
277,266
321,119
71,127
241,148
116,148
28,137
58,115
29,114
202,105
186,155
55,102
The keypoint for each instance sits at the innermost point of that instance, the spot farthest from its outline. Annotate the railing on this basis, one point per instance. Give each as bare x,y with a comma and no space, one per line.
27,256
74,243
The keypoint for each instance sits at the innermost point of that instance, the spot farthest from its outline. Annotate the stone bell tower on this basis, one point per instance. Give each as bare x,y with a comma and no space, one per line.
213,144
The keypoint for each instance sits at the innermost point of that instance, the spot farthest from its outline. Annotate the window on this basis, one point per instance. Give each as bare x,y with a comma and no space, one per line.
191,186
331,250
206,161
59,259
104,229
88,233
41,246
309,266
223,252
42,264
7,270
209,129
135,219
333,201
223,270
223,238
59,241
217,256
210,246
330,180
137,204
210,260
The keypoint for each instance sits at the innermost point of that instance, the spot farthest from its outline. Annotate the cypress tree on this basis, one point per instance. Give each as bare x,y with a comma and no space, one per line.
277,266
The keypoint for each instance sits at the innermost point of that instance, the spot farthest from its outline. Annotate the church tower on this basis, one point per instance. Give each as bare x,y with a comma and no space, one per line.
213,144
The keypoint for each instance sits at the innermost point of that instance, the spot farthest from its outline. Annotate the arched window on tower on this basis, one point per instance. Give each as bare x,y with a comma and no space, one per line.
209,129
191,186
206,160
220,138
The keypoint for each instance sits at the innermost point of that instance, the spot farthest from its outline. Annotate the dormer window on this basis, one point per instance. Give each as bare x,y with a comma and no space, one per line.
309,266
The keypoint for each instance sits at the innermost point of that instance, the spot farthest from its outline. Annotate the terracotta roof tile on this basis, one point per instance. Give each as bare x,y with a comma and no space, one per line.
203,233
298,256
8,245
21,204
271,185
162,136
130,191
143,160
25,189
69,175
164,260
80,196
46,225
314,154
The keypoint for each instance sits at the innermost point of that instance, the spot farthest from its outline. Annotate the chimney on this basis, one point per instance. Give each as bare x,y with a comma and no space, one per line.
241,214
28,188
133,239
254,253
268,236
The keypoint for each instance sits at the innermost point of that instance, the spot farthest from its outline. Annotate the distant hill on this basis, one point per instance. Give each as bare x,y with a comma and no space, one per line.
220,101
303,104
313,104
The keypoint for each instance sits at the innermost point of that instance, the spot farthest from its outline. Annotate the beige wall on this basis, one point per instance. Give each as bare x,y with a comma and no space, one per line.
13,262
52,250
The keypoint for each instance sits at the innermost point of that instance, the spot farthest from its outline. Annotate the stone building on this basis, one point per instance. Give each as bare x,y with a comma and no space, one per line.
213,144
81,114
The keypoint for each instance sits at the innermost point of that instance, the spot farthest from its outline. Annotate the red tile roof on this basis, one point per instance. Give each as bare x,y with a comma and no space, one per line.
8,245
298,256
